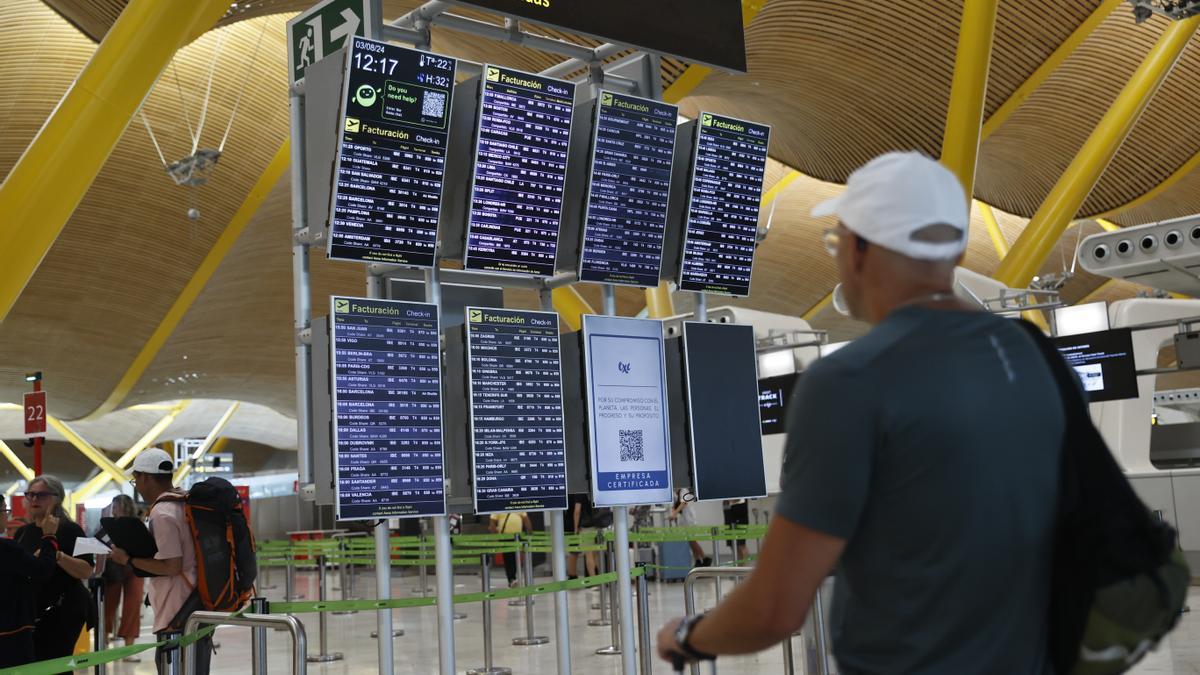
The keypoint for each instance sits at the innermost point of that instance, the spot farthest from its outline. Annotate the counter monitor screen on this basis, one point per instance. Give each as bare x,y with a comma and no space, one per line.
1104,363
730,161
633,145
515,377
391,157
774,393
520,170
387,405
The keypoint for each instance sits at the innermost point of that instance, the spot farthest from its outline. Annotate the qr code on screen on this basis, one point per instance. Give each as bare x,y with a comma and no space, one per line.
631,445
434,104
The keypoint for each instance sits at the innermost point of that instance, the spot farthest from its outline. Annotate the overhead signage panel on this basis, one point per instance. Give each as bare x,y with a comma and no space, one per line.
387,409
515,379
701,31
391,157
630,185
627,411
730,160
520,170
323,29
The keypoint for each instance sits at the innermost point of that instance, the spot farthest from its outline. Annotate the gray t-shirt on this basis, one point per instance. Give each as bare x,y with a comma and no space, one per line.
932,446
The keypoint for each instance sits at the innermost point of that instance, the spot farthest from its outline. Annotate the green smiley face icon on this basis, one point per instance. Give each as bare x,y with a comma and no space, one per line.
365,96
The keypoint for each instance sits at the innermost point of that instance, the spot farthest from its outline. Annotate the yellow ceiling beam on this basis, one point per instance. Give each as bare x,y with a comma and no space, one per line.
100,481
200,278
1068,194
96,456
25,471
42,190
818,308
994,231
571,306
182,471
1107,225
968,91
658,301
1185,170
695,74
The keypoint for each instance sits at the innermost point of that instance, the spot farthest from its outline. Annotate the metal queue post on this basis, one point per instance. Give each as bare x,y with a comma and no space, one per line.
529,639
488,668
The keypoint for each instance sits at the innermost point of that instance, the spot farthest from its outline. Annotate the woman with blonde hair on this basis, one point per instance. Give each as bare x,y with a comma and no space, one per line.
123,588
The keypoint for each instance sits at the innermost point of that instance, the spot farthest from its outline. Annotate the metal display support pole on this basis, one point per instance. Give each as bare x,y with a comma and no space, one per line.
624,589
530,639
258,639
301,291
324,656
558,553
488,667
441,533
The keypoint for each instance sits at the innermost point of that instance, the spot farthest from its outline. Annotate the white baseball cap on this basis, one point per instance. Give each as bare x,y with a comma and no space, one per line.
153,460
892,197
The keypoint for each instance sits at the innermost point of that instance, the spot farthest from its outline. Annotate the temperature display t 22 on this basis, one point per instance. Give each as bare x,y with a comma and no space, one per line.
391,157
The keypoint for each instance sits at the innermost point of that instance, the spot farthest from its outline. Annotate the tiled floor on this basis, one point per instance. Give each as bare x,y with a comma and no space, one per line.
417,651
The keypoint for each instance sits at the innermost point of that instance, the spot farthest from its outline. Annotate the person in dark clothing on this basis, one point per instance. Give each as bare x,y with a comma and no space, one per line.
62,603
16,569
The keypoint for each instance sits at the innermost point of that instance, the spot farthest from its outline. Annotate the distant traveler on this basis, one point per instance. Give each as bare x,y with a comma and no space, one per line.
17,570
123,589
681,513
590,522
514,522
174,566
922,461
63,606
737,512
571,526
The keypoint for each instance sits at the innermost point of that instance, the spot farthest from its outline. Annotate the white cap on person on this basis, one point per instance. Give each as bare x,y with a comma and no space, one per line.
153,460
893,197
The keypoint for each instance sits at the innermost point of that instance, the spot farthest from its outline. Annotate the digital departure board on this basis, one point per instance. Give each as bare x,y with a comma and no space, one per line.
387,191
515,379
633,145
387,409
723,203
520,170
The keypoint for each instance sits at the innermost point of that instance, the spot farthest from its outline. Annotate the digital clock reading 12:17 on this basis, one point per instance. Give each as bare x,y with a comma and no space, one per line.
385,66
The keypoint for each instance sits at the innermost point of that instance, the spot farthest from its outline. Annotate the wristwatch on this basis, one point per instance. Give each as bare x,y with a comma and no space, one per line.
684,632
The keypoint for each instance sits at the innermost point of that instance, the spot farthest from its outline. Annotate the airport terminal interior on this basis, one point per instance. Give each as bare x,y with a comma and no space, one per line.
491,312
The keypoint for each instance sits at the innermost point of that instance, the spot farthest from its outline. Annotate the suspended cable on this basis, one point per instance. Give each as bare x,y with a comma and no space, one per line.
212,69
245,81
146,122
183,104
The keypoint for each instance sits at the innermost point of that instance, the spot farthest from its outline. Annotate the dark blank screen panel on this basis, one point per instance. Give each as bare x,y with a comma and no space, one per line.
774,393
1104,363
391,155
721,371
729,163
515,375
520,170
387,409
633,146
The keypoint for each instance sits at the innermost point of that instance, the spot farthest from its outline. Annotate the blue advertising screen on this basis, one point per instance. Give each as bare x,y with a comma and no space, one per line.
517,441
627,411
387,409
387,191
730,161
634,143
520,170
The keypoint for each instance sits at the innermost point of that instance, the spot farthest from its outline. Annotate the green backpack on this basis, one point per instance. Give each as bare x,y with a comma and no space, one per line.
1119,579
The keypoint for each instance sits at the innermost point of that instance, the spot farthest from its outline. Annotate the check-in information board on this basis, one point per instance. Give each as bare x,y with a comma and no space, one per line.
515,376
387,409
387,191
520,170
723,205
627,411
633,145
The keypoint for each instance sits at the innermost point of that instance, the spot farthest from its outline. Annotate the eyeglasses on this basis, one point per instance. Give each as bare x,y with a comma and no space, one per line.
32,495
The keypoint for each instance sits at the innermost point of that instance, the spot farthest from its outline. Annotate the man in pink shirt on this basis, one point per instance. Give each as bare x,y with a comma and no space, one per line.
174,566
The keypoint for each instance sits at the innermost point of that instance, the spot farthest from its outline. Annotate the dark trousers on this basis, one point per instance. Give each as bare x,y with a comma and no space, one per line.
510,566
17,649
58,630
165,657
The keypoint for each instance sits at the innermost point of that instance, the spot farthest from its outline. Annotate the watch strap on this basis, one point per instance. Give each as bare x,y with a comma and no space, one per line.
684,640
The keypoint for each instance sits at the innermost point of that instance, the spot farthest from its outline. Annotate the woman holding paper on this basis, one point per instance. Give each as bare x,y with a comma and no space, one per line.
16,569
119,580
62,603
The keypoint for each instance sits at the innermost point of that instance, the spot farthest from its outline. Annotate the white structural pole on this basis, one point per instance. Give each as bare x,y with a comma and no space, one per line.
301,292
383,551
558,562
441,533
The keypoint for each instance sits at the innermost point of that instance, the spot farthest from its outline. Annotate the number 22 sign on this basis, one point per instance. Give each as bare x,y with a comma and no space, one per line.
35,414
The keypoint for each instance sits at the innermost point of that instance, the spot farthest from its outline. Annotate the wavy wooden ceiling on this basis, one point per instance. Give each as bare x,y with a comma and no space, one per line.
839,81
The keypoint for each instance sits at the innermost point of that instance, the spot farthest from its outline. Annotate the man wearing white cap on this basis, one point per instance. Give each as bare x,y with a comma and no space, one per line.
174,565
921,462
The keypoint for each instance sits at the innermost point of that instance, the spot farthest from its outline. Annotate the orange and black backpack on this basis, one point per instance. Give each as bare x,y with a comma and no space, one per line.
226,565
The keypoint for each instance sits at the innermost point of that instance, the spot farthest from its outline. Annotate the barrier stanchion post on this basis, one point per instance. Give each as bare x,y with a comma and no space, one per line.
343,553
822,651
527,600
99,642
324,656
602,567
488,667
614,647
789,660
171,658
645,650
530,639
716,531
289,581
624,590
258,639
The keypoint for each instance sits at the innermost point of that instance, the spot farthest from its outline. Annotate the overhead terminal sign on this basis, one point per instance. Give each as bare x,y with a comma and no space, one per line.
520,170
392,155
323,29
515,377
627,411
730,161
634,142
387,409
701,31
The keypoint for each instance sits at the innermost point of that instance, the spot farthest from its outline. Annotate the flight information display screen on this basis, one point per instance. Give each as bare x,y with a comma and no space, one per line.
391,157
520,170
1103,361
515,379
387,409
723,203
634,143
774,393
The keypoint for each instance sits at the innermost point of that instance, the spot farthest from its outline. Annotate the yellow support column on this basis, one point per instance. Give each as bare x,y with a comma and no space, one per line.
96,484
964,117
658,301
1069,193
56,170
211,441
97,457
571,306
25,471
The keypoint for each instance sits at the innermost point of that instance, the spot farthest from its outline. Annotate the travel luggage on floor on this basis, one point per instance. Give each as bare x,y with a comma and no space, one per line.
674,554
